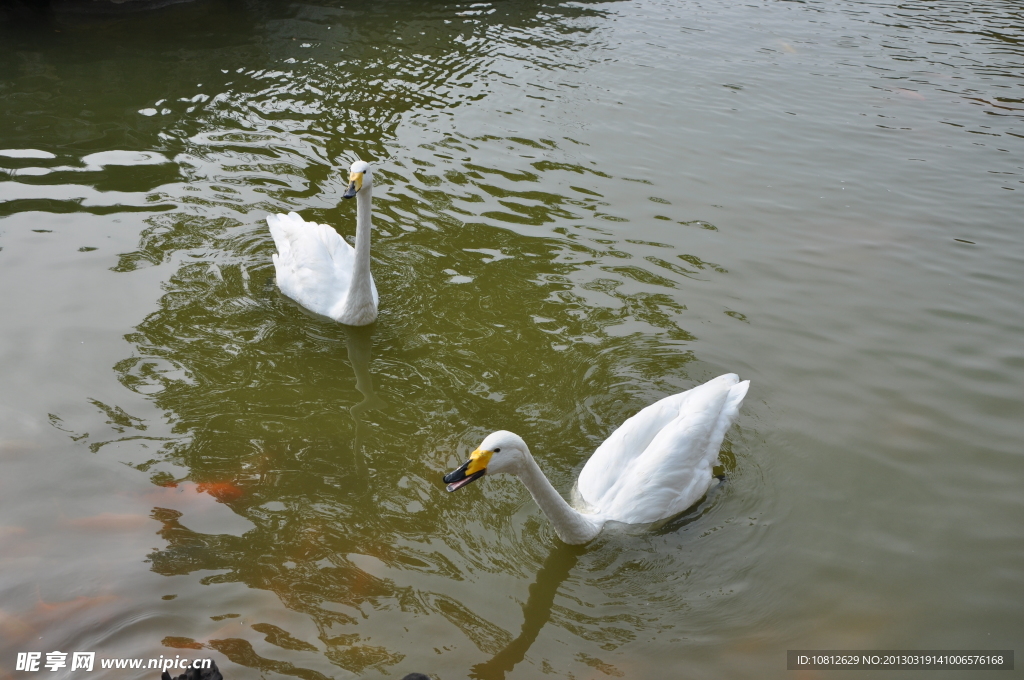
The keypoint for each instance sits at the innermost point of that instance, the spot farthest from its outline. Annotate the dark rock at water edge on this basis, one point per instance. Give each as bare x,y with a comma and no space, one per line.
211,673
86,6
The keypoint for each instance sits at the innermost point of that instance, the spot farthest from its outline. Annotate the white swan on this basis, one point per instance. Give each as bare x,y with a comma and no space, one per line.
317,268
657,464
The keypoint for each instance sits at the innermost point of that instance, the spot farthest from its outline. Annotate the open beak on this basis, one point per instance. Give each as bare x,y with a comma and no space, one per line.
470,471
458,478
355,183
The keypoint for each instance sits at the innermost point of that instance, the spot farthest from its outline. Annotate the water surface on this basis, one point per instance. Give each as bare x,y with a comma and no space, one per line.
579,208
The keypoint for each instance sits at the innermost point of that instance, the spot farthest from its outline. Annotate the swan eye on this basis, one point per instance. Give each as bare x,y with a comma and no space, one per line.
497,450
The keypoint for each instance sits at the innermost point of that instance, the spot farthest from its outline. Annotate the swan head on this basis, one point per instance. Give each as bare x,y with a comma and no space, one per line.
357,174
500,451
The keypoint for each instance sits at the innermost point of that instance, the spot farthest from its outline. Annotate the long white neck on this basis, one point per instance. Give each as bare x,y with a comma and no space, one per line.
359,307
571,526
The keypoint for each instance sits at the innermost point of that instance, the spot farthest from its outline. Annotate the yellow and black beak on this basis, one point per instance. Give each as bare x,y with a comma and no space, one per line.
355,183
472,470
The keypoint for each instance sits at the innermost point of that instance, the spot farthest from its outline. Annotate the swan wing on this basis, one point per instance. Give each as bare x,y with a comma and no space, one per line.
314,263
373,289
634,436
663,461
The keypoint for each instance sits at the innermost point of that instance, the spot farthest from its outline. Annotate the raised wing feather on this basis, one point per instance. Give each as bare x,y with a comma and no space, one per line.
659,462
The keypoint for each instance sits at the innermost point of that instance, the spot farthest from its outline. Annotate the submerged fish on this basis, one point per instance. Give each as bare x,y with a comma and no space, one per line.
222,491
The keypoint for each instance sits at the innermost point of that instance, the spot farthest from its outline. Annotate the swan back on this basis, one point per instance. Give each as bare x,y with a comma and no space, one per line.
659,462
314,264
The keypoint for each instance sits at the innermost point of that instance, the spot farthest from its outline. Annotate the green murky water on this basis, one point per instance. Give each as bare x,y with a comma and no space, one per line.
579,208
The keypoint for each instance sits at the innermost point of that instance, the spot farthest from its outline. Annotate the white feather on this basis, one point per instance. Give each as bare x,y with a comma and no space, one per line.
314,263
655,465
317,268
659,462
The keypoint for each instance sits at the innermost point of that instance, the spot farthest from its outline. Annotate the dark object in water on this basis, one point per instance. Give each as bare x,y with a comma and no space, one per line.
211,673
416,676
108,6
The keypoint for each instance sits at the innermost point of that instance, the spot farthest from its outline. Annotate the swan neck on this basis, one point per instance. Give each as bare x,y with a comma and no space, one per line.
570,525
364,212
358,307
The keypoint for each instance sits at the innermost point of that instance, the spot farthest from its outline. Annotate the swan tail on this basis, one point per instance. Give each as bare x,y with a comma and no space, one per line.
730,409
277,233
285,230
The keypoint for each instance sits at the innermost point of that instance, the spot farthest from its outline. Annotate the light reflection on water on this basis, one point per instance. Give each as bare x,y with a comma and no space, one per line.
580,208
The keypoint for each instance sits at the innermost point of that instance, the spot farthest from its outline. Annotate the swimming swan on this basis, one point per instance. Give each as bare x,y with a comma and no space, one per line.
657,464
317,268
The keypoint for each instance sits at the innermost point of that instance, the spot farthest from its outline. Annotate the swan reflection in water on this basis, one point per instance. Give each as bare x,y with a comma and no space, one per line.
556,569
536,612
359,342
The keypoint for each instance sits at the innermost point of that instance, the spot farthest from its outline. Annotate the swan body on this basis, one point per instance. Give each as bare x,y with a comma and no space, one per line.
317,268
655,465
